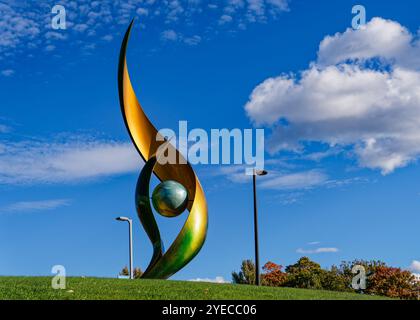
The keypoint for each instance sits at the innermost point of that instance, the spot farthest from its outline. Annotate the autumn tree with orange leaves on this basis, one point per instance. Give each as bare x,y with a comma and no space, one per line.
273,276
392,282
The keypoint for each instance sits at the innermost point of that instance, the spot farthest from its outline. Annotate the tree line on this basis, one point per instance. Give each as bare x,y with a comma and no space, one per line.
380,279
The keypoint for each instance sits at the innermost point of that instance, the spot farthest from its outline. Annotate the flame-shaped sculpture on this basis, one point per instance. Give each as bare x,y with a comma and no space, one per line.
150,144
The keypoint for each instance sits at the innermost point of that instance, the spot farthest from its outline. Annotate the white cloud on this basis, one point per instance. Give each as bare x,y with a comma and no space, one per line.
82,27
281,5
7,72
252,11
169,35
313,243
15,28
415,266
24,25
50,47
316,251
235,173
218,279
192,41
318,156
380,38
71,160
287,198
295,181
108,37
281,178
363,92
289,183
55,35
173,36
225,19
32,206
174,9
142,12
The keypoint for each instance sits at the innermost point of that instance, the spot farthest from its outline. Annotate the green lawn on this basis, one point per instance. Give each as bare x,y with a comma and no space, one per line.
98,288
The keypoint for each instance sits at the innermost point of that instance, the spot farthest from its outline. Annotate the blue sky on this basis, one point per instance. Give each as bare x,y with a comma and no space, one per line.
341,110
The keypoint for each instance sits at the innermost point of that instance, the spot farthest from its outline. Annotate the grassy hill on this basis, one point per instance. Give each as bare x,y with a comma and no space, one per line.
99,288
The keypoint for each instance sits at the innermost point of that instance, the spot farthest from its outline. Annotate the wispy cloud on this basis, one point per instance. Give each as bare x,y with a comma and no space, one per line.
169,35
7,72
314,243
317,250
218,279
296,180
32,206
293,184
4,128
16,27
225,19
318,156
173,36
65,161
287,198
28,25
192,41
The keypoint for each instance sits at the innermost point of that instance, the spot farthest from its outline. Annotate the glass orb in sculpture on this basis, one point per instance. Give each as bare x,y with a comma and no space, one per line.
170,198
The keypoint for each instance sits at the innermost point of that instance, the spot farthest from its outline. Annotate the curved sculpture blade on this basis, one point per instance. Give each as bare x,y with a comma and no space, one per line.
144,136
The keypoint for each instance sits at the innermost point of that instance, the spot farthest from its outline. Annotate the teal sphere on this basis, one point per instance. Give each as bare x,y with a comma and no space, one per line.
170,198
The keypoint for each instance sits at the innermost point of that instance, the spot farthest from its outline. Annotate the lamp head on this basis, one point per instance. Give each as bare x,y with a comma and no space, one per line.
122,219
261,172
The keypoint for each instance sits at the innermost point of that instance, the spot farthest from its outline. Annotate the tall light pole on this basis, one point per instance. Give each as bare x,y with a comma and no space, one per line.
130,242
257,258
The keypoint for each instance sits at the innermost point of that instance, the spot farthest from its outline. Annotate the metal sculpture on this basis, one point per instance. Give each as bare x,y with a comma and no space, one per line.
179,190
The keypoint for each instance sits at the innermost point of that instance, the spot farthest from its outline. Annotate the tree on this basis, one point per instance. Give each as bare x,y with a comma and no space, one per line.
392,282
137,273
333,280
272,275
304,274
246,275
303,264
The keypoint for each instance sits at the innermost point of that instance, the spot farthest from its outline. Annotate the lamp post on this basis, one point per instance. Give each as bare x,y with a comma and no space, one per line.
257,258
130,243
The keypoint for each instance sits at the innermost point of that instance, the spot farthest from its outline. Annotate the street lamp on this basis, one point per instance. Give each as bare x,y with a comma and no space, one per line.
130,242
257,259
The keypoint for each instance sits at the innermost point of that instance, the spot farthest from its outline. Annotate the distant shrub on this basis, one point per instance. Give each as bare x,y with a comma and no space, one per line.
136,272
